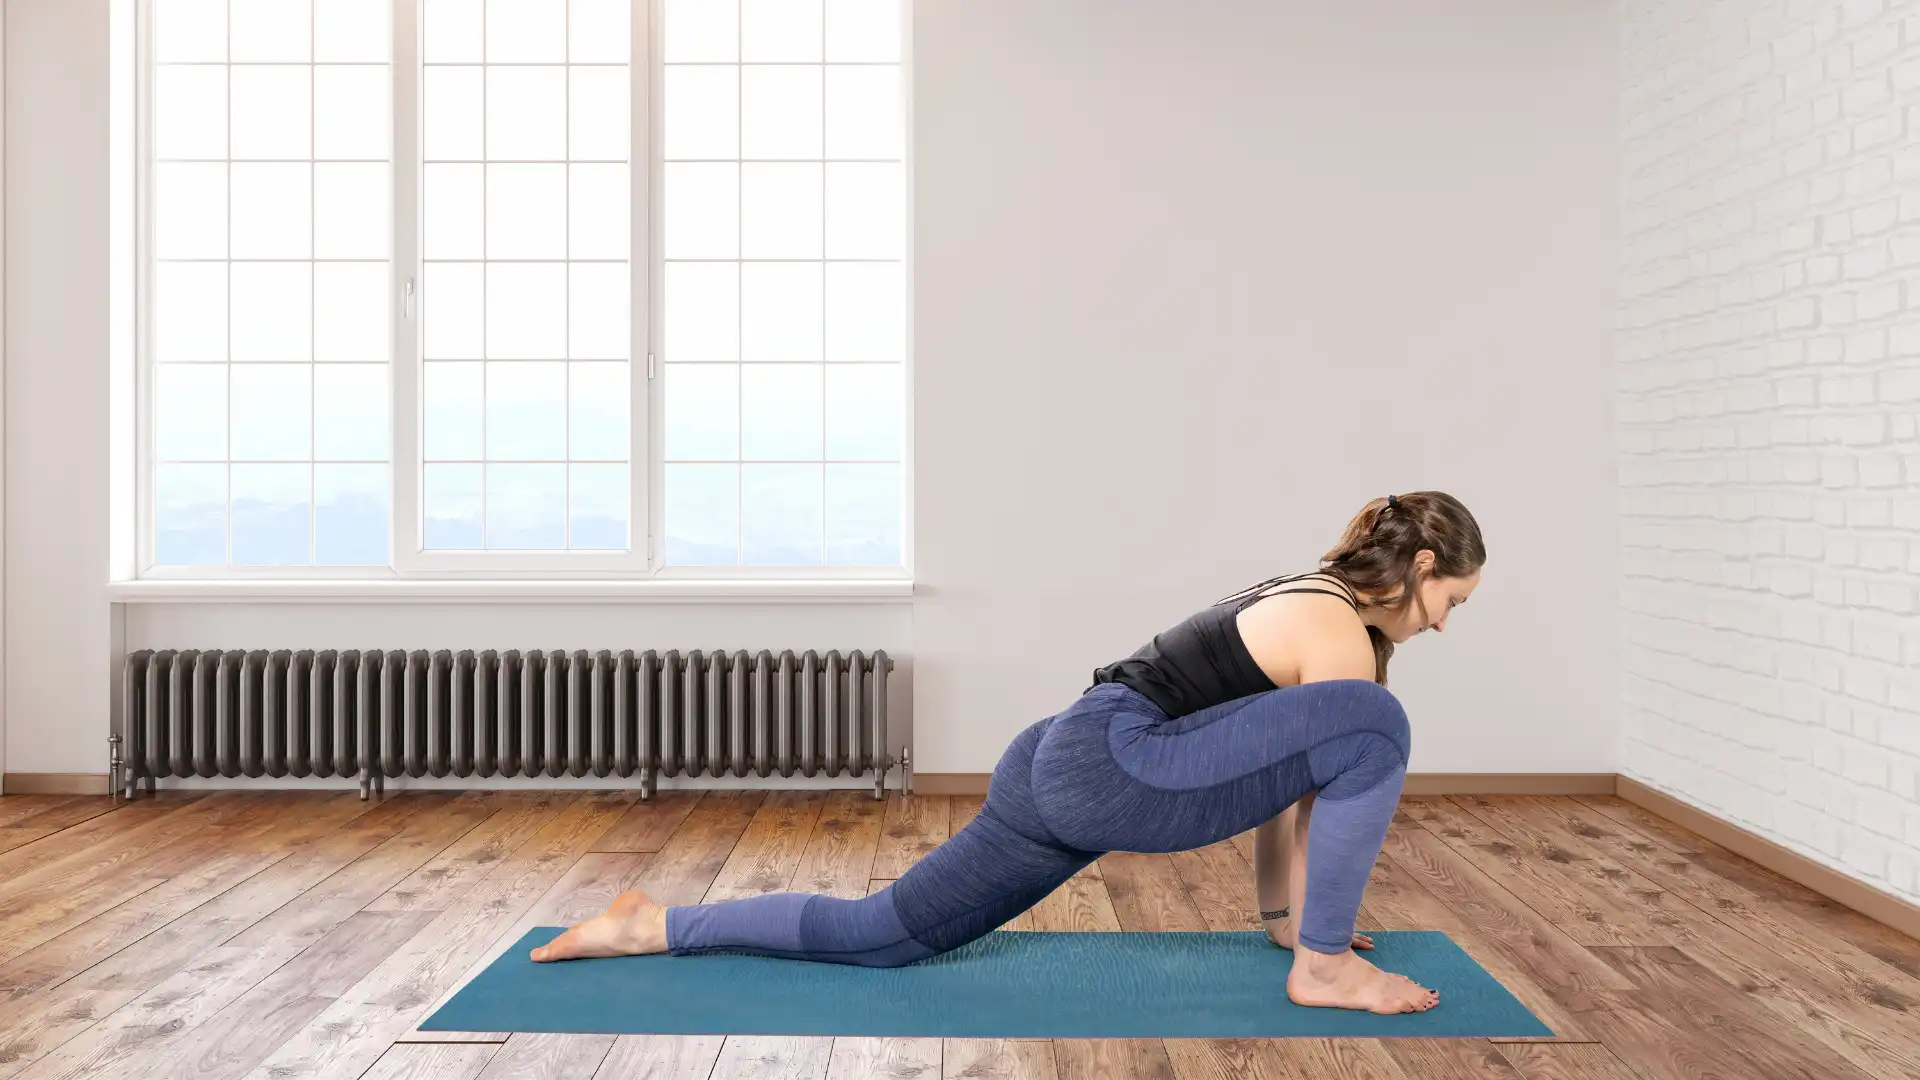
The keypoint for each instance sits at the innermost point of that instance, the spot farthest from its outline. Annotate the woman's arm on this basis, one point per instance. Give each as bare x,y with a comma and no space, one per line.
1273,873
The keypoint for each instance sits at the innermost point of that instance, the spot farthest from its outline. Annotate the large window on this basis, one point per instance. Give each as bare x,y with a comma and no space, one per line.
523,285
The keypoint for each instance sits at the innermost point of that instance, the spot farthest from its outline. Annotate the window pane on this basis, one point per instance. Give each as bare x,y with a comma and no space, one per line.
455,124
597,412
702,113
866,312
863,515
703,514
780,514
597,506
781,30
350,526
350,211
702,31
271,108
352,312
600,306
599,31
189,312
863,112
190,412
702,311
190,112
702,412
452,506
353,30
865,403
272,211
526,31
780,211
526,412
189,211
526,114
272,311
780,306
265,31
189,515
453,304
866,211
351,113
526,311
527,506
272,515
455,32
702,211
599,128
350,412
526,211
780,115
780,412
455,411
598,221
456,207
272,414
863,30
189,31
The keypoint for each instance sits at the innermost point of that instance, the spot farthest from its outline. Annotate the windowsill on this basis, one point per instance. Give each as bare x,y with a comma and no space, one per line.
470,591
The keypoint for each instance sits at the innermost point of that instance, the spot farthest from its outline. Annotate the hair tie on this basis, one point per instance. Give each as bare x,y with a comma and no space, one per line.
1393,502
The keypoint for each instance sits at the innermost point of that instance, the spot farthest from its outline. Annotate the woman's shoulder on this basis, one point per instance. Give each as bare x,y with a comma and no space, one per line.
1291,634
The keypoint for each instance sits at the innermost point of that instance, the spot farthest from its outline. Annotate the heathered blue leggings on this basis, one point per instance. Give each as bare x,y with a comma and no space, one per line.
1112,773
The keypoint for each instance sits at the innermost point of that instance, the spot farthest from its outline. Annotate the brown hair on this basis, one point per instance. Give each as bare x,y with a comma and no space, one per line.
1375,555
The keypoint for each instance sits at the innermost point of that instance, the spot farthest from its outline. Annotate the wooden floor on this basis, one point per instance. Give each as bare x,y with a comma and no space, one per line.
279,935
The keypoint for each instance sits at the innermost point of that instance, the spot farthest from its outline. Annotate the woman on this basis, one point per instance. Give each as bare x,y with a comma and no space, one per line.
1270,698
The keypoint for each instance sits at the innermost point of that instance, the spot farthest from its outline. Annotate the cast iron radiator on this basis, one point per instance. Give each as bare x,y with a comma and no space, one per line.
372,715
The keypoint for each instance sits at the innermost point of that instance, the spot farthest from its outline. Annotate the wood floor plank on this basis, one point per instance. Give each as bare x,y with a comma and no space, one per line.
961,810
839,856
65,812
513,818
17,808
425,1061
585,890
1566,1061
772,1057
1281,1059
1534,875
53,849
768,852
1111,1059
884,1059
1220,884
685,866
258,941
1147,893
532,1056
1081,903
350,1035
1741,1036
661,1057
650,822
914,825
997,1059
1450,1059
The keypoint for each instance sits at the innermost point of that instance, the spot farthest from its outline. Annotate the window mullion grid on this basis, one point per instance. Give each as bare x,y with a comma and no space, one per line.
740,273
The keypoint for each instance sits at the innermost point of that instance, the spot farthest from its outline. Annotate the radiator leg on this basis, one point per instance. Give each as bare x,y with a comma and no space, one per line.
646,783
880,769
153,786
113,766
366,783
906,770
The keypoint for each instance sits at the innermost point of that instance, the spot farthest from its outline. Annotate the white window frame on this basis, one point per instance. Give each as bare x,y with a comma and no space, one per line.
407,559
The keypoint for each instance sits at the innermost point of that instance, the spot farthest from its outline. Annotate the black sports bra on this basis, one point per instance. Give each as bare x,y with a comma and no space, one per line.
1202,661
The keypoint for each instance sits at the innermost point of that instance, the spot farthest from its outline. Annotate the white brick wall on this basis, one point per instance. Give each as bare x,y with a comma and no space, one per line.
1768,390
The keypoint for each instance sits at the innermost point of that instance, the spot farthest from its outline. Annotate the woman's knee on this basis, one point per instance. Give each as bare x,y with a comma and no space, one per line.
1372,709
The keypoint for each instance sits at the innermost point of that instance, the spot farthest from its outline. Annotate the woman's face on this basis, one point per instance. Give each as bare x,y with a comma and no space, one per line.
1434,599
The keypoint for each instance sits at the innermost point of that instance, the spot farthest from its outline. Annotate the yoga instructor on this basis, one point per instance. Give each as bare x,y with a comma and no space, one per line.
1266,709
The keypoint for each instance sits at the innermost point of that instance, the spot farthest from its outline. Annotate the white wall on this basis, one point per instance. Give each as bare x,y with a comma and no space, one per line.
1193,282
1769,369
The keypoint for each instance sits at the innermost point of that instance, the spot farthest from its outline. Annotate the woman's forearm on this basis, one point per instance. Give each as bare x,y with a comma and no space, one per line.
1273,859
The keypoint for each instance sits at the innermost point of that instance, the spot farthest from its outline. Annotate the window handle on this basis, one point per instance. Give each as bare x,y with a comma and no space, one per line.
406,300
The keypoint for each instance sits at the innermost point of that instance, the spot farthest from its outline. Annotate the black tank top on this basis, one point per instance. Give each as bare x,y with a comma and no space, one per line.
1202,661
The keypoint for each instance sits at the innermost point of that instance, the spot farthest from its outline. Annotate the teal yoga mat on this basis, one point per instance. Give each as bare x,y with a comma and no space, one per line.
1009,984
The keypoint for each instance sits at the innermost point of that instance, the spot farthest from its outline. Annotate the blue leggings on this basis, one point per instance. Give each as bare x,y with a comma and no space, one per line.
1112,773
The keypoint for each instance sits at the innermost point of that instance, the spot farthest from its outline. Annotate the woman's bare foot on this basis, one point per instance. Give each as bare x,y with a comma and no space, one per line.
1345,981
1284,933
633,925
